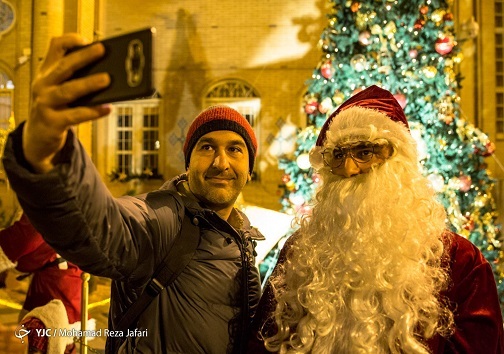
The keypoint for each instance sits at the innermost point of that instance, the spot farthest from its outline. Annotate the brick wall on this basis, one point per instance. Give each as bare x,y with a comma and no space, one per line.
270,44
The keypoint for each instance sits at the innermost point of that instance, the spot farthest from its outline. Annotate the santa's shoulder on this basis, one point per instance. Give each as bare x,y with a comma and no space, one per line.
461,251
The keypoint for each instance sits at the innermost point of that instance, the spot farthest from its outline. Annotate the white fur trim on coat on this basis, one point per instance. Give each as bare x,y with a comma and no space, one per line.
54,316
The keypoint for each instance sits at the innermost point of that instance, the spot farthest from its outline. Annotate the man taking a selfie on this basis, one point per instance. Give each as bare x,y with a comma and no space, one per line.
212,297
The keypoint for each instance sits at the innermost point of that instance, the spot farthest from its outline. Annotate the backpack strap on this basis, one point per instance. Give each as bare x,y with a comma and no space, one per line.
177,258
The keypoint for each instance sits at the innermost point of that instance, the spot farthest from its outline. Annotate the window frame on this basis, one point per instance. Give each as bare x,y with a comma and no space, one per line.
137,132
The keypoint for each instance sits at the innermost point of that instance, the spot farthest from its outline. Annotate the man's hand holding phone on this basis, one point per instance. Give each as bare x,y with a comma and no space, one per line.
45,131
128,60
75,80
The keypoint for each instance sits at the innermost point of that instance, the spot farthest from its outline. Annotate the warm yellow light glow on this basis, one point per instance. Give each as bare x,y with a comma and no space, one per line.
282,43
272,224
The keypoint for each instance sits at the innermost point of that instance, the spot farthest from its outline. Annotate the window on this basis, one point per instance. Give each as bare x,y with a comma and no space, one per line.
6,98
150,149
136,139
125,140
5,107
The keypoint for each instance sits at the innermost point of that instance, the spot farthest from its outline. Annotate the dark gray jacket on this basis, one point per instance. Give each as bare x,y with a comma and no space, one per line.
125,239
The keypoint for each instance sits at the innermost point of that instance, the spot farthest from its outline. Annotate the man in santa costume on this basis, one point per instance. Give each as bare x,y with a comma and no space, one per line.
52,278
374,269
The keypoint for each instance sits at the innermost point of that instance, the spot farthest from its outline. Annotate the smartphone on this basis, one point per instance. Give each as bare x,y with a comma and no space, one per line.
128,60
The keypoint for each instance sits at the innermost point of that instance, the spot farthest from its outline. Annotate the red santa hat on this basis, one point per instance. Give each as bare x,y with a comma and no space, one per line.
371,114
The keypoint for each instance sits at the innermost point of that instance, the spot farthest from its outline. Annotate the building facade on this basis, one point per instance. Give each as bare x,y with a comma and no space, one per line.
255,56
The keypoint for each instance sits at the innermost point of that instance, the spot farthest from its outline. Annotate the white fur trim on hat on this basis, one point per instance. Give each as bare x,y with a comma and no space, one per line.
357,123
54,316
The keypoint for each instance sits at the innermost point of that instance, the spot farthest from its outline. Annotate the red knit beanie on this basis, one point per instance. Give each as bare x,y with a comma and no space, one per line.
220,118
372,97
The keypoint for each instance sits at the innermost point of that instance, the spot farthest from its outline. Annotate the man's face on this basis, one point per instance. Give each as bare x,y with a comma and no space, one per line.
354,159
218,168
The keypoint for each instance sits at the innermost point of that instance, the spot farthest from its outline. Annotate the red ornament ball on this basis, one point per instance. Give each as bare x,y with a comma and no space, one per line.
490,149
311,107
357,90
448,16
365,38
443,45
355,6
424,9
448,118
401,99
469,225
327,70
419,24
305,210
465,183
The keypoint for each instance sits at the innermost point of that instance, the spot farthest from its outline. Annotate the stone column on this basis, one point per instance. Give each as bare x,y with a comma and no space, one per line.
48,18
80,18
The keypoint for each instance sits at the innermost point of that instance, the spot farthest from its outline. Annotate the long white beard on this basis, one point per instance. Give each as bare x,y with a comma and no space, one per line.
364,275
389,206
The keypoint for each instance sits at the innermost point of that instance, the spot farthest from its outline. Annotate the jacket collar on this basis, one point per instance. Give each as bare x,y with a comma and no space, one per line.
237,219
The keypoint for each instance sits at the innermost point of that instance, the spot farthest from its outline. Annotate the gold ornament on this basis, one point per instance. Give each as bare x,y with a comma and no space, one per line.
480,201
465,233
449,75
437,16
449,63
429,72
359,62
320,44
338,97
290,185
390,29
458,58
361,21
376,29
326,105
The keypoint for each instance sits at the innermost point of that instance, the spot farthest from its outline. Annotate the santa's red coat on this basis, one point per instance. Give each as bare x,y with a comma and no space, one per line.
472,295
23,244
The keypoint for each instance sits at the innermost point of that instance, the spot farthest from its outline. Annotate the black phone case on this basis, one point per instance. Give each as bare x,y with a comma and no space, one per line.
128,60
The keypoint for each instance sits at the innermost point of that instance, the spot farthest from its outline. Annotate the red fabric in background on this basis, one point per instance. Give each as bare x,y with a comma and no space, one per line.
23,244
40,342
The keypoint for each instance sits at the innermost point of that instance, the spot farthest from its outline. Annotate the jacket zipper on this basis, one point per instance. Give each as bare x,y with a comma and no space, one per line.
241,346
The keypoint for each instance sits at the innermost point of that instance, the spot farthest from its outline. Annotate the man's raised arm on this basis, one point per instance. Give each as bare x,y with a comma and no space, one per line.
45,131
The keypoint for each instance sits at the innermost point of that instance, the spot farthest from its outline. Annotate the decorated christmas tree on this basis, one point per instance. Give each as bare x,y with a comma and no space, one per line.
408,47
